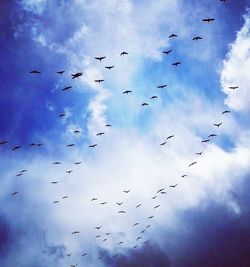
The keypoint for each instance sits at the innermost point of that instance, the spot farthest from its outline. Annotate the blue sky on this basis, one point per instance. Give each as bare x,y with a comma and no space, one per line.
50,36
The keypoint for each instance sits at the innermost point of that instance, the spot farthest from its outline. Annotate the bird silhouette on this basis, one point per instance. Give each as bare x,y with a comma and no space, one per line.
233,87
184,175
208,20
77,163
119,203
121,211
217,124
93,145
157,206
205,141
163,144
173,186
212,135
76,75
67,88
76,131
153,97
57,163
191,164
108,125
123,53
14,193
99,81
170,136
75,232
99,134
126,191
225,111
138,205
3,142
144,104
199,153
100,58
16,148
127,92
35,72
176,63
60,72
196,38
172,35
69,172
109,67
167,52
93,199
162,86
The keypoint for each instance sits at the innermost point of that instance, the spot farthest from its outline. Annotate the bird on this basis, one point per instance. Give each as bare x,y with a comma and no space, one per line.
98,227
114,256
138,205
70,145
176,63
163,144
121,211
93,145
150,217
103,203
109,67
73,265
153,97
144,104
154,197
205,141
225,111
172,35
99,134
105,239
54,182
127,92
15,148
139,237
67,88
136,224
14,193
119,203
217,124
3,142
123,53
160,190
100,58
19,174
162,86
148,226
69,172
61,115
35,72
84,254
60,72
184,175
170,136
167,52
76,75
142,232
56,201
93,199
208,20
75,232
78,162
68,254
76,131
121,242
57,163
64,197
126,191
146,242
199,153
163,192
107,233
173,186
196,38
99,81
233,87
212,135
135,246
108,125
157,206
191,164
23,171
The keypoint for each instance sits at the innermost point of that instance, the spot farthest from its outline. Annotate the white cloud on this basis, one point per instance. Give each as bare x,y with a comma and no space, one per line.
235,71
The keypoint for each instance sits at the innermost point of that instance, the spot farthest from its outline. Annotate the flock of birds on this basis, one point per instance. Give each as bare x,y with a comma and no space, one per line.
104,237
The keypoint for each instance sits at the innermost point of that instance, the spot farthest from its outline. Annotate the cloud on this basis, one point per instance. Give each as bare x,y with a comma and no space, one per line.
234,71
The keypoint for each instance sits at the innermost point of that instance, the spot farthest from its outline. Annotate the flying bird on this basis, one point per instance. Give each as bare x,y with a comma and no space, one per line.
199,153
23,171
119,203
64,197
212,135
76,75
54,182
99,81
173,186
126,191
139,237
167,52
35,72
138,205
99,134
100,58
78,162
93,199
109,67
217,124
160,190
76,131
163,192
170,136
208,20
14,193
108,125
84,254
162,86
121,211
98,227
75,232
225,111
69,172
205,141
157,206
15,148
172,36
67,88
93,145
163,144
127,92
70,145
56,201
3,142
191,164
61,115
121,242
153,97
57,163
103,203
19,174
60,72
196,38
154,197
136,224
144,104
150,217
233,87
176,63
123,53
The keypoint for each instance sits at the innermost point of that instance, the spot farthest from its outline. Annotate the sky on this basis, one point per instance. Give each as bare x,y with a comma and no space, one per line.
182,207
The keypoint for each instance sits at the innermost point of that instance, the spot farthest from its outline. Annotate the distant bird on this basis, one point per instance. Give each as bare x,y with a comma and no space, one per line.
13,194
205,141
199,153
16,148
75,232
138,205
142,232
100,58
157,206
103,203
70,145
119,203
163,144
208,20
99,81
73,265
107,233
121,211
135,246
76,75
108,125
56,201
176,63
109,67
167,52
23,171
172,35
123,53
184,175
160,190
136,224
150,217
60,72
93,145
98,227
67,88
19,174
69,172
196,38
162,86
225,111
64,197
163,192
84,254
127,92
35,72
114,256
93,199
212,135
126,191
3,142
173,186
54,182
97,236
191,164
68,254
170,136
76,131
154,197
233,87
105,239
121,242
61,115
139,237
77,163
148,226
57,163
144,104
217,124
153,97
146,242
